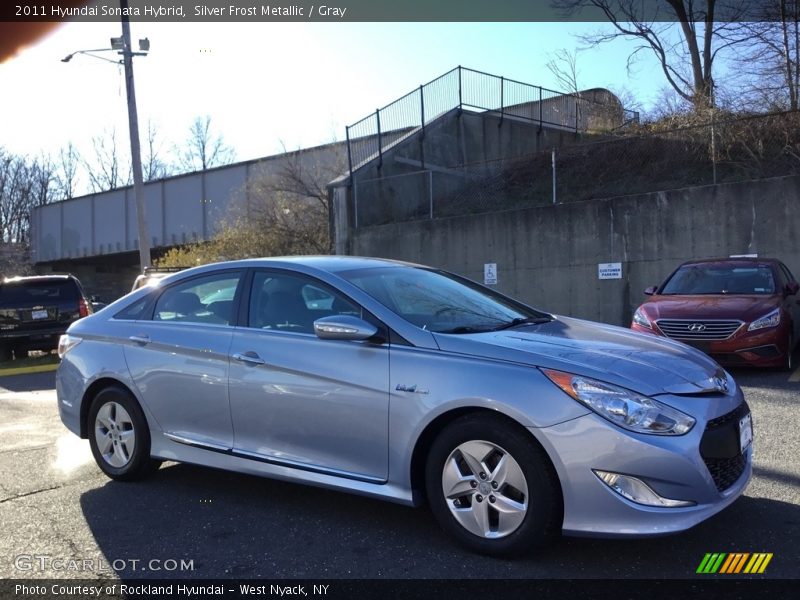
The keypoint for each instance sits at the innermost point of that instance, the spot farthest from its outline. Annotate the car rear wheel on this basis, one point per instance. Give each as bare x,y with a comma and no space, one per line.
491,486
119,436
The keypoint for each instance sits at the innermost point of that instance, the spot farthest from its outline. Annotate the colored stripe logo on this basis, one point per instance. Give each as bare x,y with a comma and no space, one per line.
734,563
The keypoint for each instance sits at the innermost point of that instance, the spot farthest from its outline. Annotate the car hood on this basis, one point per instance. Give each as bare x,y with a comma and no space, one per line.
644,363
744,308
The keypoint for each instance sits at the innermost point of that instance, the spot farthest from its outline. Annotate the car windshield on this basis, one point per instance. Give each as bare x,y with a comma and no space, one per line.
440,302
721,279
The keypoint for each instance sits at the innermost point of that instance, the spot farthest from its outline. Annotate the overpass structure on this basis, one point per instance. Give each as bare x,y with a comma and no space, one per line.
95,236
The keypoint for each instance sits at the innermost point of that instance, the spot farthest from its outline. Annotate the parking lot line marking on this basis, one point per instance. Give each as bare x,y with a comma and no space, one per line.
796,375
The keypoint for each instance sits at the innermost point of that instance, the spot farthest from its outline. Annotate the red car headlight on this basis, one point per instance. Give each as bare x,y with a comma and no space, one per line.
640,318
771,319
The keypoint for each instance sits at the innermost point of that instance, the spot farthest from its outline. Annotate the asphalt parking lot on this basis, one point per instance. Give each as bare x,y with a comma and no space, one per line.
55,505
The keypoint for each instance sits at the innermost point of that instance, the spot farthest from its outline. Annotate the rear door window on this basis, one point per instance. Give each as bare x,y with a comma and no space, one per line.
207,299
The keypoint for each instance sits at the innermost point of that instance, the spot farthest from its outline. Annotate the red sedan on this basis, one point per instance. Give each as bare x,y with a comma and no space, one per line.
741,311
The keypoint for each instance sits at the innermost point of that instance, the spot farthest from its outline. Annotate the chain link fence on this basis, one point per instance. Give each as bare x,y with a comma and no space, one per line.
460,88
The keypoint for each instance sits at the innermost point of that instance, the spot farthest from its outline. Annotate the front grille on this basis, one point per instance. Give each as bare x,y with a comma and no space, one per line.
726,471
720,448
701,330
736,414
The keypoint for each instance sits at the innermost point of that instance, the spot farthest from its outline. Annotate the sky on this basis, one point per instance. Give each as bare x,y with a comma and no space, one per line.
267,86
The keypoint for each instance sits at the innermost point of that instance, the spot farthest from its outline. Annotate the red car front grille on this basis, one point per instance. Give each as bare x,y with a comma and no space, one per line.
700,329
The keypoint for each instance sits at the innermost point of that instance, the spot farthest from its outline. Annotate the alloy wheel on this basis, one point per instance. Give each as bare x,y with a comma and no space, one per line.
485,489
114,434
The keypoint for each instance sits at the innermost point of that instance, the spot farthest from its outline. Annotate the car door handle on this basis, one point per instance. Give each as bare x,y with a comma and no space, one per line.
249,357
140,339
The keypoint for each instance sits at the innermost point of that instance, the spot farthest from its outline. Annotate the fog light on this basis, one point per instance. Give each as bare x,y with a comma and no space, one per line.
637,490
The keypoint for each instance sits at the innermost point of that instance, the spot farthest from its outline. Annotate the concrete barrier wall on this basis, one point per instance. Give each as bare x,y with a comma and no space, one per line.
548,256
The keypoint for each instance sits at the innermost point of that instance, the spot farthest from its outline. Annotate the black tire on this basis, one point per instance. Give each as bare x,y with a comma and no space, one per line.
5,353
20,352
139,464
789,364
543,516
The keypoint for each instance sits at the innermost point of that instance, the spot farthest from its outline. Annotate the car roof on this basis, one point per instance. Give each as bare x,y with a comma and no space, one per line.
747,260
332,264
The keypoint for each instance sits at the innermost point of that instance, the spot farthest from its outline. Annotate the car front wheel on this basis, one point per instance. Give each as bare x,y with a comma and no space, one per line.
491,486
788,363
119,436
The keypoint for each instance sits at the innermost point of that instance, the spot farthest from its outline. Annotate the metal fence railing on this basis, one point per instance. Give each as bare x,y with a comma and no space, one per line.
368,138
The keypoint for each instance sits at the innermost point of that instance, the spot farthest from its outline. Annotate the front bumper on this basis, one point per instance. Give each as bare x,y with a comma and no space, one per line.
760,348
671,465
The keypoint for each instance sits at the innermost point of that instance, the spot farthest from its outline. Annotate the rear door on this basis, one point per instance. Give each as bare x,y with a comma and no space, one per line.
178,358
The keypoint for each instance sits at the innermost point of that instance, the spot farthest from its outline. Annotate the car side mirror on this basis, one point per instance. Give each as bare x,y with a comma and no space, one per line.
650,291
344,327
792,288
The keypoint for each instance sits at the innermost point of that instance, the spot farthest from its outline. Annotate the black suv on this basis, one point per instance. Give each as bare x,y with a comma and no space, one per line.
35,311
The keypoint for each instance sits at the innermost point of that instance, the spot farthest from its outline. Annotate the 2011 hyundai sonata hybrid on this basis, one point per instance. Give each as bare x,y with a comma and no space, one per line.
407,383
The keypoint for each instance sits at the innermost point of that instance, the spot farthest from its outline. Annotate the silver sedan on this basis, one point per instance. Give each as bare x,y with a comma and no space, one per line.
410,384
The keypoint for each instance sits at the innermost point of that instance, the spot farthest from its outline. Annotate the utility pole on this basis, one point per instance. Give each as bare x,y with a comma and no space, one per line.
133,125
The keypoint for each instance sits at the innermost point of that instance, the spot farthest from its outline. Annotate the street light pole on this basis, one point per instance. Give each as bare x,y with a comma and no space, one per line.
133,125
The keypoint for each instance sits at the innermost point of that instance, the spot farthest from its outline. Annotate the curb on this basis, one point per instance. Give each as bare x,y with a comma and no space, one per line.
28,370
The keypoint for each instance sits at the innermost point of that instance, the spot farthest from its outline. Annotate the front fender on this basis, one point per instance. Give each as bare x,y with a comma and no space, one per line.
427,384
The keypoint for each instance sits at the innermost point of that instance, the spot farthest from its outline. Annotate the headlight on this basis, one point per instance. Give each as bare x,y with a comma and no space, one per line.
640,318
66,343
622,407
771,319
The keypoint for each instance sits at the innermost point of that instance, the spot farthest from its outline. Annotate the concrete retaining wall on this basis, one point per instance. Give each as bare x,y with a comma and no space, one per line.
417,174
548,256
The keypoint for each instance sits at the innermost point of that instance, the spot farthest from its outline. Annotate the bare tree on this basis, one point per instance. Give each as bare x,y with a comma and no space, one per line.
685,36
769,56
16,193
203,148
293,204
66,176
152,164
43,172
563,65
285,212
107,171
670,108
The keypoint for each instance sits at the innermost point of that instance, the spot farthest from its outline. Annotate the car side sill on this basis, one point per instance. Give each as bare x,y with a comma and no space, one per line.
271,461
